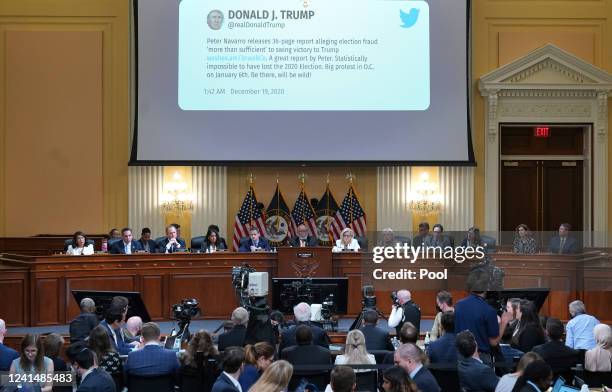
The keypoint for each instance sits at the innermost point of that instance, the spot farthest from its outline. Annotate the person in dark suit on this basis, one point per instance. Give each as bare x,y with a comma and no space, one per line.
255,243
87,320
408,334
152,359
302,315
443,349
474,375
303,239
145,241
537,377
420,238
235,336
213,242
560,357
93,379
306,353
126,246
563,243
112,324
7,354
172,243
376,338
410,357
404,310
232,367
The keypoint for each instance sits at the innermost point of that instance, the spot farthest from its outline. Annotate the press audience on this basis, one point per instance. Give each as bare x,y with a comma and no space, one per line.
232,361
342,379
93,379
52,346
32,361
257,358
302,315
235,336
599,359
410,357
529,332
507,382
275,378
536,377
107,358
306,353
355,352
199,361
554,352
474,375
408,334
81,326
443,350
133,328
405,310
579,330
444,303
152,359
376,338
396,379
7,354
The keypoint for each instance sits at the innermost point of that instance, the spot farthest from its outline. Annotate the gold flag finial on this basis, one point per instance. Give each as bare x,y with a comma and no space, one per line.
327,179
251,178
350,176
302,178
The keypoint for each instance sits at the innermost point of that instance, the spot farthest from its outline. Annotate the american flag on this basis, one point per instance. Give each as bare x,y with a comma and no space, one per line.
303,213
350,215
248,216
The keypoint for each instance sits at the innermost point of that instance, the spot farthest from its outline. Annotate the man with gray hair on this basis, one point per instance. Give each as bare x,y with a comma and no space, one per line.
404,310
87,320
302,315
410,357
133,327
579,330
235,336
7,354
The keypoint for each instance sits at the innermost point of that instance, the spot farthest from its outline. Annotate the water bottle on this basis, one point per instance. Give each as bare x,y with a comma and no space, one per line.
427,339
584,388
104,247
396,343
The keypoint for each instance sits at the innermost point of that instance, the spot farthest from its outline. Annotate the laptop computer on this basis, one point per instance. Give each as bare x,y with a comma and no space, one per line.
558,384
567,388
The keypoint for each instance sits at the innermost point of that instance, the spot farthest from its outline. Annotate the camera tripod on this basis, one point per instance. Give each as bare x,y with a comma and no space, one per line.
359,319
182,335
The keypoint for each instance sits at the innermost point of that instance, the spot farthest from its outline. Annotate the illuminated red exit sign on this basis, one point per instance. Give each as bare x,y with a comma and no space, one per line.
541,132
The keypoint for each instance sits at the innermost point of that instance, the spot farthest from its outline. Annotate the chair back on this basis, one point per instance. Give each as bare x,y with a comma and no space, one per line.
113,241
320,379
597,379
159,383
367,381
363,243
159,240
196,242
448,379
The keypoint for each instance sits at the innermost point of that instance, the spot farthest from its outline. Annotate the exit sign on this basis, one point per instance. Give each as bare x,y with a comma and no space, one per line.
541,132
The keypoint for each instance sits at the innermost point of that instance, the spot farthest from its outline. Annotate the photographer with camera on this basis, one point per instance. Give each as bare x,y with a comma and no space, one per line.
404,310
302,314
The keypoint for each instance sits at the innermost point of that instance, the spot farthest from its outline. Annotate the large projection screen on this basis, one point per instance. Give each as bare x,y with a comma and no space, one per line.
302,82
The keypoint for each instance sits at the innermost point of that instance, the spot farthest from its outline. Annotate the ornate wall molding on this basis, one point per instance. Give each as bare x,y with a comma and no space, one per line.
552,65
545,109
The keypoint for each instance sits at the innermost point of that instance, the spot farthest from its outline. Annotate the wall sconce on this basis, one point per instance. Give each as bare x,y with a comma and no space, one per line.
175,199
425,199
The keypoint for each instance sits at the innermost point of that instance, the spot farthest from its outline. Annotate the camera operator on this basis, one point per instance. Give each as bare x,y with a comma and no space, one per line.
404,310
260,327
473,313
302,316
236,335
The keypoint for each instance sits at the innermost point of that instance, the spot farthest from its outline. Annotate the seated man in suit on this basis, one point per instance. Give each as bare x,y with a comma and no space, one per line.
376,338
474,375
563,244
302,315
255,243
112,324
7,354
408,334
306,353
303,238
343,379
172,243
145,241
410,357
152,359
87,320
232,361
235,336
560,357
93,378
126,246
436,238
443,349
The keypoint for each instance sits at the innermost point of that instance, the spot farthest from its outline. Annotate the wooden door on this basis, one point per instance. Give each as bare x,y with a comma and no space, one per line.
519,196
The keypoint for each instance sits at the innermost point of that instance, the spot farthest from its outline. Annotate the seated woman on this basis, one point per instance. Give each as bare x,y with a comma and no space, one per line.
108,358
53,346
213,242
599,359
79,245
199,364
355,352
33,361
275,378
529,332
257,358
506,383
396,379
524,243
473,238
347,242
536,377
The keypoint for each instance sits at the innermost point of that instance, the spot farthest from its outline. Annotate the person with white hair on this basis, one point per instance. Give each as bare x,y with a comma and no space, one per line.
302,315
347,242
235,336
599,359
7,354
133,327
579,330
404,310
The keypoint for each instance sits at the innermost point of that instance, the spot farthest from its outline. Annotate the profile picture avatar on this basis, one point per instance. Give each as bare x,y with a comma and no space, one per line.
215,19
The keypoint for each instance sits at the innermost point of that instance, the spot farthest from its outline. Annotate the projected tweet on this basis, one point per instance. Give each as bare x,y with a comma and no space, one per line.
306,55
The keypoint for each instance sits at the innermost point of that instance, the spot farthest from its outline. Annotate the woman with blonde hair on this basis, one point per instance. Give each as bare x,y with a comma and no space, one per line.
599,359
275,378
506,383
347,241
355,352
257,358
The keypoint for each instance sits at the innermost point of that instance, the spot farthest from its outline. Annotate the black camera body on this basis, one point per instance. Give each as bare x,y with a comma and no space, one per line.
328,307
394,298
186,310
368,299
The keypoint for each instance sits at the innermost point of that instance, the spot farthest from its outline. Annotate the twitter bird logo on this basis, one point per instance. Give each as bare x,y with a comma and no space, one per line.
409,19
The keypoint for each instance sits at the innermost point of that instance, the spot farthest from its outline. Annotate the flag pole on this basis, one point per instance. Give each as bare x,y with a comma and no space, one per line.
251,178
350,177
